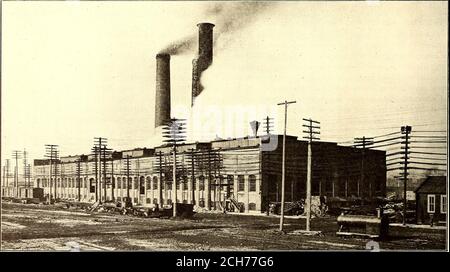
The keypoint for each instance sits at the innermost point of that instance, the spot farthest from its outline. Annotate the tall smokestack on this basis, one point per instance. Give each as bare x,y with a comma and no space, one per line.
205,57
162,99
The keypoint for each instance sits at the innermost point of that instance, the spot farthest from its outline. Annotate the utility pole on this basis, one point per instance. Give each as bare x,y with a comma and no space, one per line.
98,145
311,135
7,172
113,183
160,185
283,167
25,166
174,132
192,177
51,152
16,157
79,179
406,130
127,168
104,152
363,143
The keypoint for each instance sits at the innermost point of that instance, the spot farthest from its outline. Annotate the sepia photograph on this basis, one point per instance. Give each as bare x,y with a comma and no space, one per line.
224,126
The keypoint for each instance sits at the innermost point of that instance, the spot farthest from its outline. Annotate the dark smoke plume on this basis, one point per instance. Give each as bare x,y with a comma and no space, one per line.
228,18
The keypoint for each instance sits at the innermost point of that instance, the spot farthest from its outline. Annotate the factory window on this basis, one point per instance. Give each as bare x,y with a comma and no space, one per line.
201,202
252,183
178,184
135,200
169,201
130,183
443,204
148,200
124,183
251,206
149,183
135,183
92,185
185,183
85,183
431,203
155,183
38,181
241,183
201,184
142,185
155,201
119,183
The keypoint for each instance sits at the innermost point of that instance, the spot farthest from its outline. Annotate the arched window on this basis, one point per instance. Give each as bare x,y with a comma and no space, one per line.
155,183
119,183
124,183
252,183
135,184
141,185
149,183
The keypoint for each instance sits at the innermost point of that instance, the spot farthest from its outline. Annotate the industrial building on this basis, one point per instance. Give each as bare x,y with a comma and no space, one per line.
232,174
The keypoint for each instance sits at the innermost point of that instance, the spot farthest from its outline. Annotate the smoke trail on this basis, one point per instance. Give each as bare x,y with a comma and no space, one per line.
228,18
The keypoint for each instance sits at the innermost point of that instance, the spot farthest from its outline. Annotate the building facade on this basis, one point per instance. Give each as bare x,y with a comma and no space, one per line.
238,174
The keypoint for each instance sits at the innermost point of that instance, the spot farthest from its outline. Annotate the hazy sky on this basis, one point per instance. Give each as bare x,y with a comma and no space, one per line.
72,71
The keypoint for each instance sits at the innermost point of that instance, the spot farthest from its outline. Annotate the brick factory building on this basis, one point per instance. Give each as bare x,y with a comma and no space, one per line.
234,174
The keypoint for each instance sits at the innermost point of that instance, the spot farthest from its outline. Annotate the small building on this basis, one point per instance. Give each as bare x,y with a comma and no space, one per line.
431,200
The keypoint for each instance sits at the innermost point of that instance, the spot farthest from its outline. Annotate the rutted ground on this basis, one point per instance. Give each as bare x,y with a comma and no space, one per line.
41,227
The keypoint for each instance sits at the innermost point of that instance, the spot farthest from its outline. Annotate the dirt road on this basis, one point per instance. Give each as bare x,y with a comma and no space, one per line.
42,227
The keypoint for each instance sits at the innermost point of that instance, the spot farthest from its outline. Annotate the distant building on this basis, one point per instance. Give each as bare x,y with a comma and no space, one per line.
431,200
236,174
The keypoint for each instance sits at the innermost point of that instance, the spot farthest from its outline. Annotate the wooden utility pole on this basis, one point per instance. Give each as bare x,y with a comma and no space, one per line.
363,143
406,130
283,166
113,183
193,177
127,165
160,185
7,174
16,157
174,133
311,135
52,154
79,179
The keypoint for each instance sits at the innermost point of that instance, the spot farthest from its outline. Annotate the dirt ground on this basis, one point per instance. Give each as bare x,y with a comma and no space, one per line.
42,227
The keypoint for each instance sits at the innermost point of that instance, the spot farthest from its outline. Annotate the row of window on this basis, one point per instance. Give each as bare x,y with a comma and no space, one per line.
153,184
431,206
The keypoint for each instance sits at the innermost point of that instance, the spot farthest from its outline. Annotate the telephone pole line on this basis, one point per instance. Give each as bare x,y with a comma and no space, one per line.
16,157
51,152
79,179
310,125
174,132
98,145
283,166
363,143
406,130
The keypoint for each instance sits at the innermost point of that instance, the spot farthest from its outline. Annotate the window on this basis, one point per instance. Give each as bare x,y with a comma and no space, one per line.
155,201
142,185
201,184
92,185
149,183
135,183
241,183
124,183
251,206
155,183
119,183
443,204
431,203
184,186
252,183
148,200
